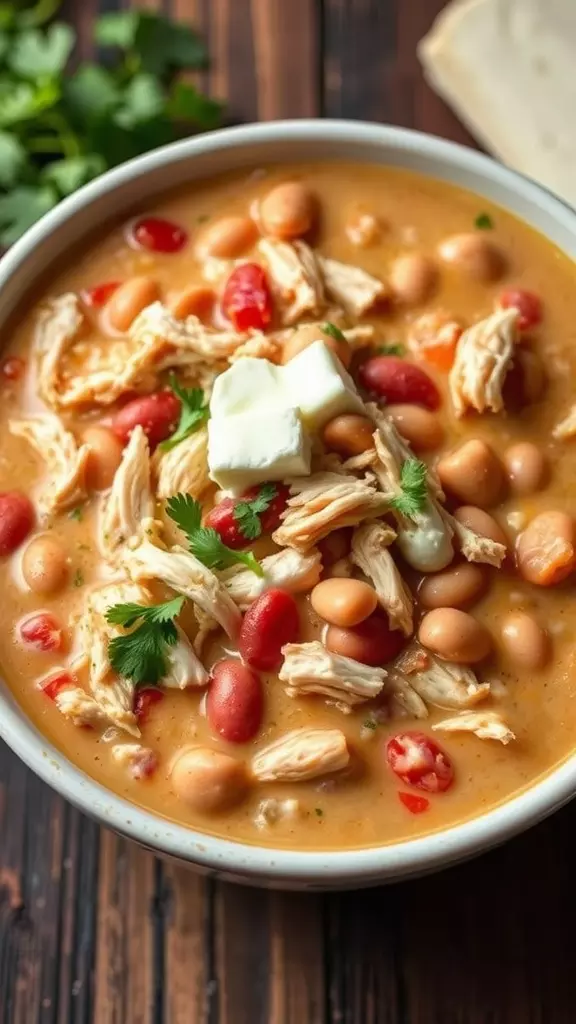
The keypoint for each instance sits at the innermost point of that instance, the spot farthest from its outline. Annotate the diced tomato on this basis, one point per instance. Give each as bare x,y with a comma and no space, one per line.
42,632
396,380
98,296
157,414
222,518
441,353
235,701
415,804
16,520
246,299
419,761
56,683
143,764
158,235
528,304
13,368
271,621
145,699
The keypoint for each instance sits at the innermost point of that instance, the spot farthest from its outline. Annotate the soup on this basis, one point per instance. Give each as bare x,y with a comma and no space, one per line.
286,512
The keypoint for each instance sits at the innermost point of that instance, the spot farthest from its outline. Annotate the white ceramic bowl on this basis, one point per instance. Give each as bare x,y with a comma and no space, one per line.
118,193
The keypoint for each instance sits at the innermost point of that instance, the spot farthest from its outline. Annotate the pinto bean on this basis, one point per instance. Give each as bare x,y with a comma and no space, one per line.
419,426
288,211
207,780
44,565
371,642
307,335
481,522
343,602
105,456
455,636
546,549
524,641
473,254
456,587
526,466
349,434
129,299
227,237
413,278
197,301
473,473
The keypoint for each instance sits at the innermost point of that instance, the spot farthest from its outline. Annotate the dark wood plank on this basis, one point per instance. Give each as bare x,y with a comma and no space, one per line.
286,43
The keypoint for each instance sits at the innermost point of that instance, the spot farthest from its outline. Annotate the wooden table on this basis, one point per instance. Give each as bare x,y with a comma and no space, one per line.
93,928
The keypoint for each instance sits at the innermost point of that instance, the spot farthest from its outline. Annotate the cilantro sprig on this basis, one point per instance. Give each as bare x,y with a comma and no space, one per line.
60,130
484,222
390,350
333,331
141,655
247,512
204,542
414,492
193,413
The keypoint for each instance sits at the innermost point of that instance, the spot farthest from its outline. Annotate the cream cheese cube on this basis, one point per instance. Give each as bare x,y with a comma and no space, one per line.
316,382
246,384
253,447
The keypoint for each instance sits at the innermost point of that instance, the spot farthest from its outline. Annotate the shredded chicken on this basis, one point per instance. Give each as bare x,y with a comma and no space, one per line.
59,325
370,552
352,288
288,569
300,755
566,428
484,355
183,468
324,502
311,668
295,276
181,571
65,463
475,547
403,697
487,725
185,669
141,761
81,708
130,503
445,684
271,811
259,346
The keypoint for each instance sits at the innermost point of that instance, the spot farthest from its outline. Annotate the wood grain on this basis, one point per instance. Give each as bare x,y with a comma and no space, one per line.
94,929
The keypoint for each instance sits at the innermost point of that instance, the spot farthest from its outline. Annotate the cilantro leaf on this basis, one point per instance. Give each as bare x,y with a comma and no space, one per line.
35,54
413,479
193,413
484,222
143,100
13,158
185,103
22,101
161,45
140,655
70,173
390,350
20,208
204,542
91,92
39,14
247,513
118,28
333,331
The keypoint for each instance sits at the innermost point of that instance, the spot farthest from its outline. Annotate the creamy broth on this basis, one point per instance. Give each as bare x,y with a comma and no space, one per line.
359,805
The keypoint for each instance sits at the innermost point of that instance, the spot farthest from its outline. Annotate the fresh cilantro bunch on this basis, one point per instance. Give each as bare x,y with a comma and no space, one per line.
204,542
194,412
414,494
141,655
247,512
59,131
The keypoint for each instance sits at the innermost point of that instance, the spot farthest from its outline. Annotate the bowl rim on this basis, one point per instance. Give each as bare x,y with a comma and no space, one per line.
235,859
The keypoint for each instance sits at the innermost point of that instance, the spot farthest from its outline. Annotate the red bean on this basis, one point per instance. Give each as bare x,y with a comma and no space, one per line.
157,414
41,632
246,299
528,304
58,682
235,701
419,761
414,803
13,368
16,520
396,380
226,520
98,295
158,235
270,622
371,642
144,700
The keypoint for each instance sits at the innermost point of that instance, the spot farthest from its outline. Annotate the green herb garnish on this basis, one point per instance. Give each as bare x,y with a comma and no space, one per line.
333,331
59,130
390,350
76,513
484,222
247,513
413,479
204,542
78,580
193,413
318,812
370,723
141,655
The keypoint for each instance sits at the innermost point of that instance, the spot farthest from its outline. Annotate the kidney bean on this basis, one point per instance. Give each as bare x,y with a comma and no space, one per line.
158,235
98,295
395,380
41,632
270,622
419,761
56,683
157,414
371,642
414,803
528,304
144,700
16,520
222,517
246,299
13,368
235,701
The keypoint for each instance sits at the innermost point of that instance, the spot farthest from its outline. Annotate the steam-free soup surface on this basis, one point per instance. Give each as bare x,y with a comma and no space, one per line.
513,624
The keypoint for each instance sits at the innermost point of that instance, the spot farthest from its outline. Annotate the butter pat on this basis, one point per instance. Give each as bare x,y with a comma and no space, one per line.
316,382
246,384
251,447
